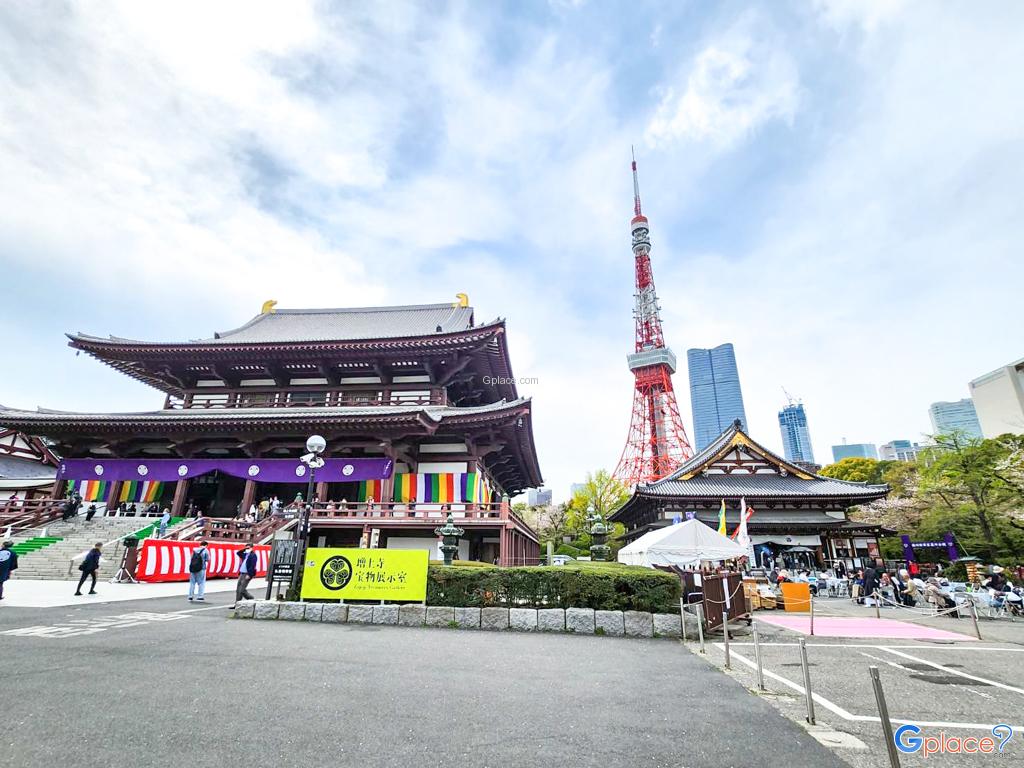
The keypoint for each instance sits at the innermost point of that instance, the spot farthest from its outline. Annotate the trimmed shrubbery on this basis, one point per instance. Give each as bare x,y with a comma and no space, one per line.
602,586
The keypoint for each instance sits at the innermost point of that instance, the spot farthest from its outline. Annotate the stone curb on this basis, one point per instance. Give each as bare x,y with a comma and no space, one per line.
577,621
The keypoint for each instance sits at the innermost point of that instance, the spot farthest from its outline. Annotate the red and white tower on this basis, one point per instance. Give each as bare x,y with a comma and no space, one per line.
657,442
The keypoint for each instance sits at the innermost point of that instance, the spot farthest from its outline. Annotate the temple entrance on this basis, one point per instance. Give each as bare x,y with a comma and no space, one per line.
216,494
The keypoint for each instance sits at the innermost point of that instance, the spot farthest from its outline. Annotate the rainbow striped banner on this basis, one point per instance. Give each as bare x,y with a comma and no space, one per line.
441,488
145,491
369,489
90,490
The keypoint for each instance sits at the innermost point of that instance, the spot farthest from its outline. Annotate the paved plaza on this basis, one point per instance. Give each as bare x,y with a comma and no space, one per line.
144,683
962,687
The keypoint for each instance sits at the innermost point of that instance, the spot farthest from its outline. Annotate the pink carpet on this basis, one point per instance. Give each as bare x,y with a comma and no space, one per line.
867,628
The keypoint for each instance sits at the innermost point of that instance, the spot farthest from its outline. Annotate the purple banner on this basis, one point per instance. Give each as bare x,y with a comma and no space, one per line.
262,470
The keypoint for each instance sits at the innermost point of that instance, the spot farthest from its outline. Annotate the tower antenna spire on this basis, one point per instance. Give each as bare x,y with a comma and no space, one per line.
636,185
656,444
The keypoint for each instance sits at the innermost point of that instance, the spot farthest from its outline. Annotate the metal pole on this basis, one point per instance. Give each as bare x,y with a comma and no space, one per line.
974,618
883,714
807,681
878,610
757,659
682,616
725,632
700,625
303,532
811,601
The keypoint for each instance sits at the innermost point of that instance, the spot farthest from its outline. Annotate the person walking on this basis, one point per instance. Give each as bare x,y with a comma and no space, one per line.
246,571
197,572
165,518
89,566
90,513
8,563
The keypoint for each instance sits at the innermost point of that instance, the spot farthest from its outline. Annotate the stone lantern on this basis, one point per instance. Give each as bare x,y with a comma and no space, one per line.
451,534
599,531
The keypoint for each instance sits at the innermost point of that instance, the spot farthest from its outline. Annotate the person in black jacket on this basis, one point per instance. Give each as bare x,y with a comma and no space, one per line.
89,566
247,561
8,563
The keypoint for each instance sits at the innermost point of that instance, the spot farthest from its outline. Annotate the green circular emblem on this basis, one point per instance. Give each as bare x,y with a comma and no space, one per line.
336,572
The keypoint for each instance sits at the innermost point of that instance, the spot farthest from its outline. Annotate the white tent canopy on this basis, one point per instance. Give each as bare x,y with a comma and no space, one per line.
684,544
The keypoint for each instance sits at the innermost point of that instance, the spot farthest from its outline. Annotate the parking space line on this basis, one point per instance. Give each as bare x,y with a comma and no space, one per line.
950,671
835,708
733,643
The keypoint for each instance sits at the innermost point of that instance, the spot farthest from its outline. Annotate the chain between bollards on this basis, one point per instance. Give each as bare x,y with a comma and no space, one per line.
757,660
974,618
807,681
883,714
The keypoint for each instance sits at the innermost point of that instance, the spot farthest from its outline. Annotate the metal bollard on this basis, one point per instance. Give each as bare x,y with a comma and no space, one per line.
725,633
757,660
682,616
812,614
883,714
878,609
807,681
700,625
974,618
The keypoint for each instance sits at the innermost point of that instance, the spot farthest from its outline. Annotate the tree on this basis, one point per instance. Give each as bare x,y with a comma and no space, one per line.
602,492
964,477
855,469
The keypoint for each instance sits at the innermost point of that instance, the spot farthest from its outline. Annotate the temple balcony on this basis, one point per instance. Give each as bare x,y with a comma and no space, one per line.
251,397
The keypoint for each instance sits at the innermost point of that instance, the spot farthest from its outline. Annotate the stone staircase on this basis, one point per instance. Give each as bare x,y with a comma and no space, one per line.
75,538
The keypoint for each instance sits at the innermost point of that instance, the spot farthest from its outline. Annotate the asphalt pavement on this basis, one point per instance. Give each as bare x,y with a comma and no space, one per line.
143,684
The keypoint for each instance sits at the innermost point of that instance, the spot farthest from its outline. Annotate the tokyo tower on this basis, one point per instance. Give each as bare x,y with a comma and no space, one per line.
657,442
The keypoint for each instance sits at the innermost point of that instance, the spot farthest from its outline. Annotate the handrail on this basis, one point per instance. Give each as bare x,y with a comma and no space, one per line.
116,542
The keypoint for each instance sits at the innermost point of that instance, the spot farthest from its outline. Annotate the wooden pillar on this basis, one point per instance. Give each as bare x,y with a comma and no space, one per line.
321,492
113,495
180,494
60,489
248,496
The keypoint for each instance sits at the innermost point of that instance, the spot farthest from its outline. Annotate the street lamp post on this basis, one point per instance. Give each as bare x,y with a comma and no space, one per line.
315,446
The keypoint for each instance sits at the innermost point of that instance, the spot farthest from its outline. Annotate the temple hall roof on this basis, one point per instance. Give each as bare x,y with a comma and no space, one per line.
735,466
282,326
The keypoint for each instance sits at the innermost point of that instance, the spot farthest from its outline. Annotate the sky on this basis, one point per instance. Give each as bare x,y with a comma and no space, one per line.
834,187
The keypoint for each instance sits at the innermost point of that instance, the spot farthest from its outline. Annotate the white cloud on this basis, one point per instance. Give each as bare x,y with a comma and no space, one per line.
733,86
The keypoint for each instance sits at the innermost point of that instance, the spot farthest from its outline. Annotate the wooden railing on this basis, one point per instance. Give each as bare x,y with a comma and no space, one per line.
23,514
291,398
217,529
397,510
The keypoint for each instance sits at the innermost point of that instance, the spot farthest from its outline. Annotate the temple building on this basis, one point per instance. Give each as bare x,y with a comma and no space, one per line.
796,515
417,404
27,466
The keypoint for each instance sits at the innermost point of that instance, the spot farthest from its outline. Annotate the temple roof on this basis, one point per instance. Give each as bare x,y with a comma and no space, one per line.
734,466
515,465
282,326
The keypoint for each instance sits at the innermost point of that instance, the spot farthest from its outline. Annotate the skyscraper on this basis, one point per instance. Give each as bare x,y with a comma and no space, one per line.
715,395
959,416
796,440
999,400
899,450
857,450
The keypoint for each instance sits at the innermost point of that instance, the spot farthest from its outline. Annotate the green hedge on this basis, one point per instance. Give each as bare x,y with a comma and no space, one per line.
610,587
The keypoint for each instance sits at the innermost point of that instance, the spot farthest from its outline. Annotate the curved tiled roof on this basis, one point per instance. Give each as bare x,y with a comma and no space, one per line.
283,326
761,485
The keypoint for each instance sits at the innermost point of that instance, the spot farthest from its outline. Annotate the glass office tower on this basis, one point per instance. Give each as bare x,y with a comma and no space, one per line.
796,439
715,396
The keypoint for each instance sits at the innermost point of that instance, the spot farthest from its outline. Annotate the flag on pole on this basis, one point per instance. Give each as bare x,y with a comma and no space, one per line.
721,519
744,538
